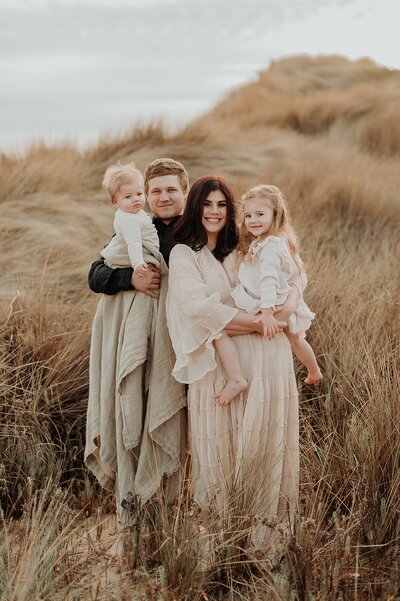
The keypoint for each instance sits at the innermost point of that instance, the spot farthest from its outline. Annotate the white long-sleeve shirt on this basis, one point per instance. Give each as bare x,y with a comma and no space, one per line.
126,247
266,281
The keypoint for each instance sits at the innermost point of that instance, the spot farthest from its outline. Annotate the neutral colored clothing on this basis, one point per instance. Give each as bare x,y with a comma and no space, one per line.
135,431
133,232
266,282
104,280
261,425
195,313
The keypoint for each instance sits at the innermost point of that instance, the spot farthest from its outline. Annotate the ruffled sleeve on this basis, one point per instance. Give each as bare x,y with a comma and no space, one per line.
195,315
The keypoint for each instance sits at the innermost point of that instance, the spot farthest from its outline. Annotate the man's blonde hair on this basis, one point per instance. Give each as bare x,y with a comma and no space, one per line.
119,174
166,166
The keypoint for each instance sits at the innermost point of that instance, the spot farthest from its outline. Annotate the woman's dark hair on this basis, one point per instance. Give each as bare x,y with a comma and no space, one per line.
190,231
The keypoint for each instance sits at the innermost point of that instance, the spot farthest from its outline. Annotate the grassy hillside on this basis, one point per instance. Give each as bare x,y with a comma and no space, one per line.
326,130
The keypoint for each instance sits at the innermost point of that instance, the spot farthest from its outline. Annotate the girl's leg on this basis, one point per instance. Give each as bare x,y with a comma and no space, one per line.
229,356
305,355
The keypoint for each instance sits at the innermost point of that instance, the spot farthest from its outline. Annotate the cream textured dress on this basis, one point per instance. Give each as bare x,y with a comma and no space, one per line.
255,439
267,281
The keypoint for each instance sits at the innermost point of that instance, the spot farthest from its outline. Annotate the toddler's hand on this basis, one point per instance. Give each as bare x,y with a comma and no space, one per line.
142,269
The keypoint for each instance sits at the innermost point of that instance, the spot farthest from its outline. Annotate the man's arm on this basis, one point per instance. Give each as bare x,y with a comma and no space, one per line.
105,280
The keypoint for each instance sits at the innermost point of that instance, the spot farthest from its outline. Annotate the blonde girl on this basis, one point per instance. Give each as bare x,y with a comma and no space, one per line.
269,265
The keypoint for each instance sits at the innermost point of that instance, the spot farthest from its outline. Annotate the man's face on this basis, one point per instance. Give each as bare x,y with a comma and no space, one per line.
166,197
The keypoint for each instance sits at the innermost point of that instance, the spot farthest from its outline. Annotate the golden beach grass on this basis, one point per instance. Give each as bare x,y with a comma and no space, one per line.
326,130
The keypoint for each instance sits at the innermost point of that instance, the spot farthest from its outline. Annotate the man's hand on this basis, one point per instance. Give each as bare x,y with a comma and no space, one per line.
147,282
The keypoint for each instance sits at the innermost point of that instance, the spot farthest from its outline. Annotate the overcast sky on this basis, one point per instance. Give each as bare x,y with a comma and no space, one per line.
76,69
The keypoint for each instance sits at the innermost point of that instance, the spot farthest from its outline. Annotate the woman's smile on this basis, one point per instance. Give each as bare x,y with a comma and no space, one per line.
213,219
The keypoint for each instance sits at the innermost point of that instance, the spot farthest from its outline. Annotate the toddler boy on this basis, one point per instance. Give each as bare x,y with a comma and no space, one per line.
133,226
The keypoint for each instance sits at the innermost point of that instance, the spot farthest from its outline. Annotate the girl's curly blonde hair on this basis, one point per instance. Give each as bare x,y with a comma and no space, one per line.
281,224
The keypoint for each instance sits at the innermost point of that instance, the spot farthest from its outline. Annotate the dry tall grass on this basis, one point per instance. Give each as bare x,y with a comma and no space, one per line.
326,130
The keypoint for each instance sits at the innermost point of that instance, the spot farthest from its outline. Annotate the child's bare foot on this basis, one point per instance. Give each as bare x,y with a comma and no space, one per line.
120,548
232,389
314,377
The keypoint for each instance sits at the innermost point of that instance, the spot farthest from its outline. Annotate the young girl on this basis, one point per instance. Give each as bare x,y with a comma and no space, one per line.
269,264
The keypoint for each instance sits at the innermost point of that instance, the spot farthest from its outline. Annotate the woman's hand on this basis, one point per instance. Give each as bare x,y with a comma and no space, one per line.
269,325
259,326
245,323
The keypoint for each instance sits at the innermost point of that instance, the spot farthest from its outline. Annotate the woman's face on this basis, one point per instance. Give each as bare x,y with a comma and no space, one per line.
214,213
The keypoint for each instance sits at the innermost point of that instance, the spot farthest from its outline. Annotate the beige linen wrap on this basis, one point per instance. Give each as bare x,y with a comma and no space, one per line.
135,429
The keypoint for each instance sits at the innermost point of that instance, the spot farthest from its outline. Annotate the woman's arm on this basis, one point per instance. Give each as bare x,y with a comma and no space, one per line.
237,331
244,323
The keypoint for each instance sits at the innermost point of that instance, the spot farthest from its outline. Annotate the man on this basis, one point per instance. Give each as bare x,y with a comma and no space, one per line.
166,185
135,430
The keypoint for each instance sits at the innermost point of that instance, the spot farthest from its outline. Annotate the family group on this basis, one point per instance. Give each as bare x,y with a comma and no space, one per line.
191,353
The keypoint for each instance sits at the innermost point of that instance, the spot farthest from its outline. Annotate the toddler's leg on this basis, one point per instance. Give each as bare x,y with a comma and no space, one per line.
281,314
236,383
305,355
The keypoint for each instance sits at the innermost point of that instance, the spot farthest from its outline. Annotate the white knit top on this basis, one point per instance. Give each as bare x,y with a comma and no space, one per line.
132,231
266,282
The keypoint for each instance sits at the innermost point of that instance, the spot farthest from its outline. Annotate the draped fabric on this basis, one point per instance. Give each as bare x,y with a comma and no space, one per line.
135,430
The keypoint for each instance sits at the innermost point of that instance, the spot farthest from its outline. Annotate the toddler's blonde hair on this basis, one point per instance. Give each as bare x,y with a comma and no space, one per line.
274,198
119,174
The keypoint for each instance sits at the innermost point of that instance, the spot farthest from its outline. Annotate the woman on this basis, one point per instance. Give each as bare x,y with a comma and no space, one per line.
258,430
